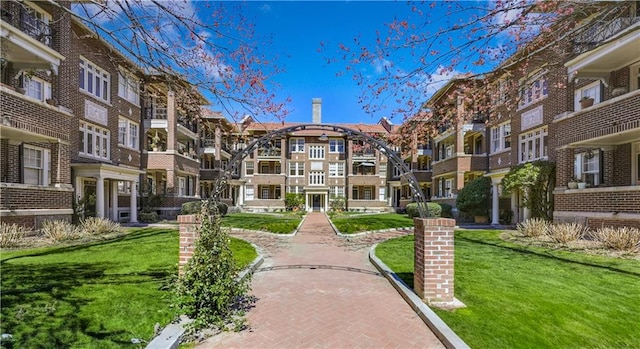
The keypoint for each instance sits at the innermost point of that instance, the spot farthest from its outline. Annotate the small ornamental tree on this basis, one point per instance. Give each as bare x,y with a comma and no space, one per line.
535,180
209,291
475,197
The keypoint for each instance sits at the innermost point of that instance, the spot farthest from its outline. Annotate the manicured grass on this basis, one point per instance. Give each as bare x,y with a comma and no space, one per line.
278,224
95,295
355,224
522,297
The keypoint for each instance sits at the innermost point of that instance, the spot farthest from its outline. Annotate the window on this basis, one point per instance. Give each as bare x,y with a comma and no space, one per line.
265,193
127,133
501,137
444,190
124,187
129,87
367,193
316,152
336,191
382,193
296,145
94,80
336,169
182,186
383,170
296,189
592,90
533,90
635,76
533,145
36,88
587,167
336,145
355,193
36,166
296,169
397,170
94,141
316,178
248,194
248,168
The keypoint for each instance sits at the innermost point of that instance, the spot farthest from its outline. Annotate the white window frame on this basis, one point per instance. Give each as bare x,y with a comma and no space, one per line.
90,74
367,193
296,189
499,136
128,86
128,133
316,152
382,193
182,186
316,178
36,88
587,167
296,169
382,170
249,165
593,90
336,191
528,142
42,167
265,189
336,169
124,187
100,141
248,193
336,145
531,93
296,145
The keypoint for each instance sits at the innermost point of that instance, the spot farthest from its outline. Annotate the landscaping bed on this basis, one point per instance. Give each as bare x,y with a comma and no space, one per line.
521,296
108,293
351,224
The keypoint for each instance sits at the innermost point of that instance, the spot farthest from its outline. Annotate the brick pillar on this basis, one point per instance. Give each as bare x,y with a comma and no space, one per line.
188,235
433,269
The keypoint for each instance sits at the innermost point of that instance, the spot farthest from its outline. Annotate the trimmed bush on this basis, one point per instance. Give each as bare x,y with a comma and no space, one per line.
147,217
11,234
58,230
533,227
565,232
194,207
98,226
475,197
447,211
621,239
435,210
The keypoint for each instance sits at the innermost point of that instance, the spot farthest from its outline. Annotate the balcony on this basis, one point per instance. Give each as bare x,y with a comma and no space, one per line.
461,163
26,38
269,152
601,31
364,153
422,175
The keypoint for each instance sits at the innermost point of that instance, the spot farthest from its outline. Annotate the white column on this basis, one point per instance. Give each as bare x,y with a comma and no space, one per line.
514,207
495,214
100,197
79,188
241,195
326,202
526,210
114,200
133,203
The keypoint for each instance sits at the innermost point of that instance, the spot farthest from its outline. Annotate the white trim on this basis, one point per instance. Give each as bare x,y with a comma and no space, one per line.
599,214
36,212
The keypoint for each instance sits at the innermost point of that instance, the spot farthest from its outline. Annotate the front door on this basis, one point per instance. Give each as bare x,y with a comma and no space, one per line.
316,202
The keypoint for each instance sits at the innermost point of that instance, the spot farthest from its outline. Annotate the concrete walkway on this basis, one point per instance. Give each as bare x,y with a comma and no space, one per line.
341,303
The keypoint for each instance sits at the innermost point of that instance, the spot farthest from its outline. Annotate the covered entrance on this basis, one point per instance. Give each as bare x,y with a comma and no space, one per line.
317,199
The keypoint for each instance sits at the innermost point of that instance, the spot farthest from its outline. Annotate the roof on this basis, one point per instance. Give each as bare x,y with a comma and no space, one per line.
273,126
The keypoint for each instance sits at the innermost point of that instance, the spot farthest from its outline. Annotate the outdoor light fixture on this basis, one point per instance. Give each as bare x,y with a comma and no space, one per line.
323,137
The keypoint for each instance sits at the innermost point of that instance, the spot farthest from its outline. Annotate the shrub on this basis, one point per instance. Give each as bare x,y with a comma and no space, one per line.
98,226
621,239
58,230
533,227
293,201
447,211
194,207
475,197
223,209
338,204
148,217
565,232
11,234
435,210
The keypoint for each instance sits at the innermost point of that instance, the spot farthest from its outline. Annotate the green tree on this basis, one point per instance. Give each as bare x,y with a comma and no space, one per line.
535,180
475,197
209,291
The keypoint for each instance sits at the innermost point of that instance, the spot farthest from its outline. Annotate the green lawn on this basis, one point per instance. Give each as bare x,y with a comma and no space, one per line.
521,297
354,224
274,223
95,295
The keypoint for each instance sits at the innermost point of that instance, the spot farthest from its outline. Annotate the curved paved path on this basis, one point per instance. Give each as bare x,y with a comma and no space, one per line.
324,308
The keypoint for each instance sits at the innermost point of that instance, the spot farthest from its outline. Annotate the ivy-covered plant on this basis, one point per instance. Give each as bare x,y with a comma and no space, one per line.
535,180
209,291
475,197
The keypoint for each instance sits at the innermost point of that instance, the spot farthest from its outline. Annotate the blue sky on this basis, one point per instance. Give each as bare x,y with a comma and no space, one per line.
298,28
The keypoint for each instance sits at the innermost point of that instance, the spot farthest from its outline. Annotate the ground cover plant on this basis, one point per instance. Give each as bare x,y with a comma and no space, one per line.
100,294
532,297
360,223
274,223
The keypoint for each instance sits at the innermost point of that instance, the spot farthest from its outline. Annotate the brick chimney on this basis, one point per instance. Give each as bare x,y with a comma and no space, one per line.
316,110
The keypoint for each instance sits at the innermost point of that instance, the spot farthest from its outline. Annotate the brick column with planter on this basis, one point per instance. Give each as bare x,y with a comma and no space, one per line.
188,235
433,269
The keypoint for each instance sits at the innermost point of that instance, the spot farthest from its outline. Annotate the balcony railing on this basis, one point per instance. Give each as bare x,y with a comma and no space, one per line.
207,143
155,113
22,17
189,124
365,153
601,31
269,152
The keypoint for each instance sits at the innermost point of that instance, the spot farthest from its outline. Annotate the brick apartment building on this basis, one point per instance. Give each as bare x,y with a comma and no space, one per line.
598,144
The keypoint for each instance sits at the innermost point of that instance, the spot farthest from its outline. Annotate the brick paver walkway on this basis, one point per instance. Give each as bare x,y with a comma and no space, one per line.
324,308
